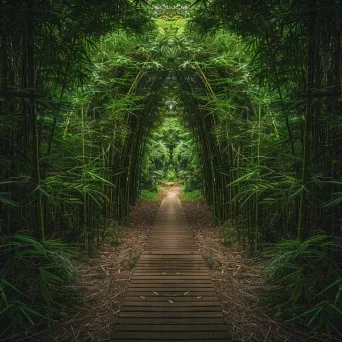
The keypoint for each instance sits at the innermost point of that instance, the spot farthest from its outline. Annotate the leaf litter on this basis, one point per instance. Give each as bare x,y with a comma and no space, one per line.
238,282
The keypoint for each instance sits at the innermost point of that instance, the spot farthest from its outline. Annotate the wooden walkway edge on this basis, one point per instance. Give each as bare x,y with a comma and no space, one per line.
171,296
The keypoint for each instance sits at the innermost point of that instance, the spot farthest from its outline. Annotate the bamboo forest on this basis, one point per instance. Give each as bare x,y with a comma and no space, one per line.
171,170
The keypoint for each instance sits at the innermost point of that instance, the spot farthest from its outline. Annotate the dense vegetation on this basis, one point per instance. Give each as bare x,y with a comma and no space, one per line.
99,101
171,155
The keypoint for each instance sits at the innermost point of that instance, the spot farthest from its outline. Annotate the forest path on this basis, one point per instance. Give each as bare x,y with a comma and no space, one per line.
171,296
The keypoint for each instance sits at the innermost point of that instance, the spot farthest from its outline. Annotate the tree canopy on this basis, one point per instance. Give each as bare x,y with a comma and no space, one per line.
240,99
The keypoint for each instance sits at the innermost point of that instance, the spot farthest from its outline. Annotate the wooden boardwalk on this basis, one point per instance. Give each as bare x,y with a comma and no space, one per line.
171,296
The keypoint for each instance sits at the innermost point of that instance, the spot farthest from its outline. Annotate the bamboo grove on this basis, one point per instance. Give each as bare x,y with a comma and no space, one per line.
84,85
68,114
280,138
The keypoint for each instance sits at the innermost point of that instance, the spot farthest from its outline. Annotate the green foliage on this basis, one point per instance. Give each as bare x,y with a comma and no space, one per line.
306,282
34,283
146,195
87,177
195,195
208,259
229,234
90,115
113,235
47,56
268,97
133,259
211,262
171,155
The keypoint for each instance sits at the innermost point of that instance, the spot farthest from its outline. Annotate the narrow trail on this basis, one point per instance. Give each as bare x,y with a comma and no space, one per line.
171,296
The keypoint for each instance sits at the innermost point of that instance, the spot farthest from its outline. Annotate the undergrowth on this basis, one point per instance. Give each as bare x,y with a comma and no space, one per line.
113,234
229,234
306,283
146,195
194,195
34,279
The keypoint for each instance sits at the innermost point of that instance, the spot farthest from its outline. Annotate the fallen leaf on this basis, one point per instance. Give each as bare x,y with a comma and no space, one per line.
171,301
185,293
199,297
157,294
105,271
237,270
142,297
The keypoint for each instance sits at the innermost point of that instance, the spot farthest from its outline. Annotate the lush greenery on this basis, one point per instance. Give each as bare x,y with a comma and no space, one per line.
307,284
34,279
146,195
194,195
170,156
76,92
271,98
98,101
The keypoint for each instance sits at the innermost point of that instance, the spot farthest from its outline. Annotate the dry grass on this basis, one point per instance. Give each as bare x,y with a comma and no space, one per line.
238,282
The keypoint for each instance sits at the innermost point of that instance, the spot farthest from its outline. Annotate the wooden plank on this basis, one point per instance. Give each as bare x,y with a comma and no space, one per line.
170,296
155,298
166,287
161,266
173,269
147,339
174,327
181,250
159,263
171,302
171,263
171,314
161,335
169,257
161,269
170,273
170,281
171,277
163,294
170,321
192,340
170,308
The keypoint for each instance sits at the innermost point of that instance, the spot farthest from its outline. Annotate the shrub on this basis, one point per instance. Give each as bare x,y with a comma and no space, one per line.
146,195
229,234
306,282
195,195
33,283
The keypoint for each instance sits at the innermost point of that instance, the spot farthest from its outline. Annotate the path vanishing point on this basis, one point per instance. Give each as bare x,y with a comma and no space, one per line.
171,296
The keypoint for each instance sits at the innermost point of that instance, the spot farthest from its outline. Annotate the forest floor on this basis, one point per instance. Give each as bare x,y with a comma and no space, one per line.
103,280
238,281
